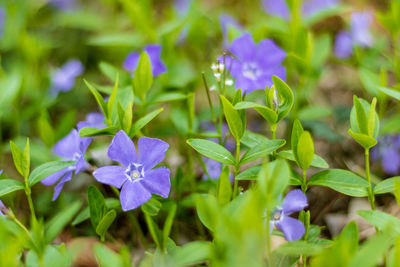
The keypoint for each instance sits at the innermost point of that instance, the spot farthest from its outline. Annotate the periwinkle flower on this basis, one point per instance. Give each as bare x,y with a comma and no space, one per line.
253,64
388,151
94,119
72,147
213,168
3,209
63,79
359,35
2,19
293,229
136,176
280,9
154,52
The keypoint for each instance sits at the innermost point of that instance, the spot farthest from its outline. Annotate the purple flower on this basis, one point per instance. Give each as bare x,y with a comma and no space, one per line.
72,147
154,52
213,168
63,79
182,6
293,229
2,19
254,65
280,9
388,151
359,34
227,21
136,177
3,209
64,4
95,120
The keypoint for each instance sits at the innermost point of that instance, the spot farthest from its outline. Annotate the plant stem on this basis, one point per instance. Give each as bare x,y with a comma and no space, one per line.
30,202
273,137
371,196
269,237
237,168
304,184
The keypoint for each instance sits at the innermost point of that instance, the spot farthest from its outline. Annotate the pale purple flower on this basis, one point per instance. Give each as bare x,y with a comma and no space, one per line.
388,152
154,52
2,19
2,209
293,229
94,119
359,35
213,168
280,8
63,79
226,21
64,4
253,64
136,176
72,147
182,6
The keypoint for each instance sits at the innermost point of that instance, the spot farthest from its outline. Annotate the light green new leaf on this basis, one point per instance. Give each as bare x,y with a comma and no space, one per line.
305,150
98,97
317,161
105,223
47,169
9,185
342,181
364,140
21,159
212,150
143,121
261,150
285,95
297,131
267,113
371,118
390,92
386,186
143,78
224,187
233,118
111,100
91,131
361,117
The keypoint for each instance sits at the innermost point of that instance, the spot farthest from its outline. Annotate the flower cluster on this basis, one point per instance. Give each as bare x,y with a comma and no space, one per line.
63,79
136,176
359,35
154,52
293,229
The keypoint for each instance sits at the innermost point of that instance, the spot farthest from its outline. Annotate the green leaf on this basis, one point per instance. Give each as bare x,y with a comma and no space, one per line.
390,92
98,97
168,97
47,169
105,223
192,253
233,118
267,113
154,231
212,150
261,150
143,121
297,131
380,219
106,257
305,150
143,78
297,248
251,139
91,131
97,205
207,210
285,95
371,118
224,187
168,225
364,140
386,186
111,100
362,107
361,116
317,161
342,181
21,159
58,222
9,185
151,207
111,203
249,174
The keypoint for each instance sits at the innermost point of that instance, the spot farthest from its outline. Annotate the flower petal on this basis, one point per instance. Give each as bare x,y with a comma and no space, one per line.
276,8
294,201
343,45
269,54
68,146
151,151
243,47
122,149
157,181
391,161
52,179
292,229
154,52
60,185
111,175
131,61
133,194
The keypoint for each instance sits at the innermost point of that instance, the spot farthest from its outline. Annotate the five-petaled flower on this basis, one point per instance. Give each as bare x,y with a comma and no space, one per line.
254,65
63,79
72,147
136,177
154,52
94,119
293,229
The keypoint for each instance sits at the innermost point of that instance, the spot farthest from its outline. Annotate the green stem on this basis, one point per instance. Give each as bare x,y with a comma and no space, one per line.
237,168
213,117
269,251
29,197
273,136
304,184
371,196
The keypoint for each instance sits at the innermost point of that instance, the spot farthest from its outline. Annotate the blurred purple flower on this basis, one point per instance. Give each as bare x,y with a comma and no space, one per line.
254,65
2,209
388,152
359,34
64,4
95,120
213,168
154,52
137,177
2,19
182,6
226,21
72,147
280,9
63,79
293,229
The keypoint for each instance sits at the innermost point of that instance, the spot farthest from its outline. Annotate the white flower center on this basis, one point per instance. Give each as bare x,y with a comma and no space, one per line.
135,171
251,71
135,174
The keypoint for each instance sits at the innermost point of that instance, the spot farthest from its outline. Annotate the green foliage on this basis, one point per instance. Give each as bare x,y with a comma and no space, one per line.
212,150
8,186
233,118
46,169
143,78
21,158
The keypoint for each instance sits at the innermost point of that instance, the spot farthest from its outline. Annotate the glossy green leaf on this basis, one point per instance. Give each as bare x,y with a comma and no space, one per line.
105,223
386,186
233,118
97,205
143,78
297,131
390,92
286,97
91,131
251,139
261,150
355,118
151,207
98,97
305,150
212,150
267,113
9,185
143,121
224,187
342,181
47,169
317,161
21,158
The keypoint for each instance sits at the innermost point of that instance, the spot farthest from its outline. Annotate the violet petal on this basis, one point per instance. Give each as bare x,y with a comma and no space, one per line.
157,181
111,175
292,229
151,151
133,194
122,149
60,185
294,201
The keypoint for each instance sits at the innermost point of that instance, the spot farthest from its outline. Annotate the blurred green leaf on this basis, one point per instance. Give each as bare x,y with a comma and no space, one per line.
106,257
317,161
224,187
386,186
21,159
143,121
9,185
267,113
249,174
98,97
105,223
143,78
47,169
390,92
262,150
151,207
97,205
297,248
233,119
